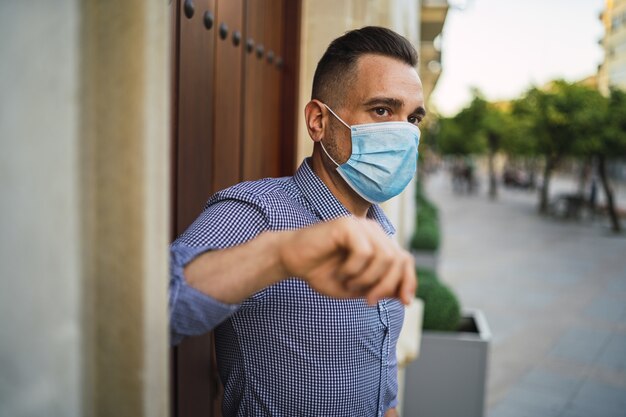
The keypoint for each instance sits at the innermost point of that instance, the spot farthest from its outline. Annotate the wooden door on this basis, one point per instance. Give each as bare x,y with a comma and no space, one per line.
234,66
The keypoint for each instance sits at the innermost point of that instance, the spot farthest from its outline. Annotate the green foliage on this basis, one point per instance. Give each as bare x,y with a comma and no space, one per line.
425,275
442,310
563,120
441,306
479,127
518,141
612,139
454,138
426,235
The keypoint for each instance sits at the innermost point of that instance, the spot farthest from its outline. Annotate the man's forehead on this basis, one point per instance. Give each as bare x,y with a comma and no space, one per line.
370,59
382,76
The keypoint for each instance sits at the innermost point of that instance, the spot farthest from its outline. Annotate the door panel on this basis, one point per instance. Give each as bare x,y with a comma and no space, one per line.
253,144
195,113
228,75
273,31
193,377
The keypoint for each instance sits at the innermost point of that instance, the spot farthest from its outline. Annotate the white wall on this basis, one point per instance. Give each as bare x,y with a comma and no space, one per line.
40,345
84,168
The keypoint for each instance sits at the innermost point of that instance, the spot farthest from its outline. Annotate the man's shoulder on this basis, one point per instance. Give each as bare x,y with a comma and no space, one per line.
258,193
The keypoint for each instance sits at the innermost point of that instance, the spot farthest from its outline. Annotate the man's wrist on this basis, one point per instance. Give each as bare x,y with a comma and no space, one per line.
276,242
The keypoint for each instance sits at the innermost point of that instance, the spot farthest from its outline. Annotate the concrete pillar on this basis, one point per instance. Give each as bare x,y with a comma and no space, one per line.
124,162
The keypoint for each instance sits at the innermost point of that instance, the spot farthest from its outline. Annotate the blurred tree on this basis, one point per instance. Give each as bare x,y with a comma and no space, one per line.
456,136
609,143
499,127
519,145
562,120
453,138
478,128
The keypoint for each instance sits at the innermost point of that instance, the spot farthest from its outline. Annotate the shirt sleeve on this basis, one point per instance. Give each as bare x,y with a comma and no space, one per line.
222,224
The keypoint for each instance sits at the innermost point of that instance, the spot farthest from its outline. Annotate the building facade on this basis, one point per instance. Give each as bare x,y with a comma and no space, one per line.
612,72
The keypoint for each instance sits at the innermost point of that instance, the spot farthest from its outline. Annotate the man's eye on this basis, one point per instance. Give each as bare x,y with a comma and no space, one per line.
381,111
413,119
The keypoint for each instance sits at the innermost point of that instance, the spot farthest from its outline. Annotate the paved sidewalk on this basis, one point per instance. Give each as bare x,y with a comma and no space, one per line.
554,294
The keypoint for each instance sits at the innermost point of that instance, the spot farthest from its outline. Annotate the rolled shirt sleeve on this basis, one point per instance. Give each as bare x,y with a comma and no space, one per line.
192,312
223,223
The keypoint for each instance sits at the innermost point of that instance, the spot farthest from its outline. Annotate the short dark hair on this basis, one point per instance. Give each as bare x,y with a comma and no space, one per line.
336,68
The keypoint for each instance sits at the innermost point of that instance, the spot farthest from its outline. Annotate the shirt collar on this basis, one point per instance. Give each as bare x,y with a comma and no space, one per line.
325,204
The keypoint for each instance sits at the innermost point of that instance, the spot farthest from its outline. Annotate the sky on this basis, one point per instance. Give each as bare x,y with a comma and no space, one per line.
503,47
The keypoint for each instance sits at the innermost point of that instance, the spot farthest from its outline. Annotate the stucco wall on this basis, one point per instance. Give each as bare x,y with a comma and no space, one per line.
84,208
40,346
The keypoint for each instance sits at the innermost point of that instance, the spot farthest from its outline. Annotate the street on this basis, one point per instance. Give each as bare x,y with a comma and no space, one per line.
553,292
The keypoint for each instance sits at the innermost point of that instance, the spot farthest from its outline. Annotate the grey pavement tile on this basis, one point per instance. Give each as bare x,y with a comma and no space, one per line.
592,412
581,345
561,278
539,399
609,308
534,300
508,410
600,399
550,382
575,271
618,284
574,413
504,325
613,355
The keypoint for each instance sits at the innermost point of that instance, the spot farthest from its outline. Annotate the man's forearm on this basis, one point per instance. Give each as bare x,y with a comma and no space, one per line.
342,258
231,275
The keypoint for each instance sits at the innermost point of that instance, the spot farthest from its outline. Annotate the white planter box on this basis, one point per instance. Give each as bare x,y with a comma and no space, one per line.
409,342
450,376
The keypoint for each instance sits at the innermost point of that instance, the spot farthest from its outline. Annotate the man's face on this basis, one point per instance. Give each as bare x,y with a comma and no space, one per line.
384,90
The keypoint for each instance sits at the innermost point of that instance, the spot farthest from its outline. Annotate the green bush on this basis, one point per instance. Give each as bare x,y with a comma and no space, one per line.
425,275
426,235
419,191
427,209
442,310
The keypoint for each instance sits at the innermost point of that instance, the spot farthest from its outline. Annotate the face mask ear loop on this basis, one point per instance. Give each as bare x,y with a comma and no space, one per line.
344,123
330,157
338,118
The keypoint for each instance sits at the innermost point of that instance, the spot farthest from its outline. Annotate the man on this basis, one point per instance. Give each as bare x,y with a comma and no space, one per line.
284,347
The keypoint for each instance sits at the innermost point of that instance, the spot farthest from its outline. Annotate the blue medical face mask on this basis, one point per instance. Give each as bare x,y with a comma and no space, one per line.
383,159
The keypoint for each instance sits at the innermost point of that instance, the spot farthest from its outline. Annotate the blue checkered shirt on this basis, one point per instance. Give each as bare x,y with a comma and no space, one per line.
287,350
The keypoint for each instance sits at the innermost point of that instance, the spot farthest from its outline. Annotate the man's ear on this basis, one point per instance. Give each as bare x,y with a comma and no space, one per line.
315,117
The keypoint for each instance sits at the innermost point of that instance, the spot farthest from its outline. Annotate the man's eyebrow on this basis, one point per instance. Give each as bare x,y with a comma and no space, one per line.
389,101
394,103
420,111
